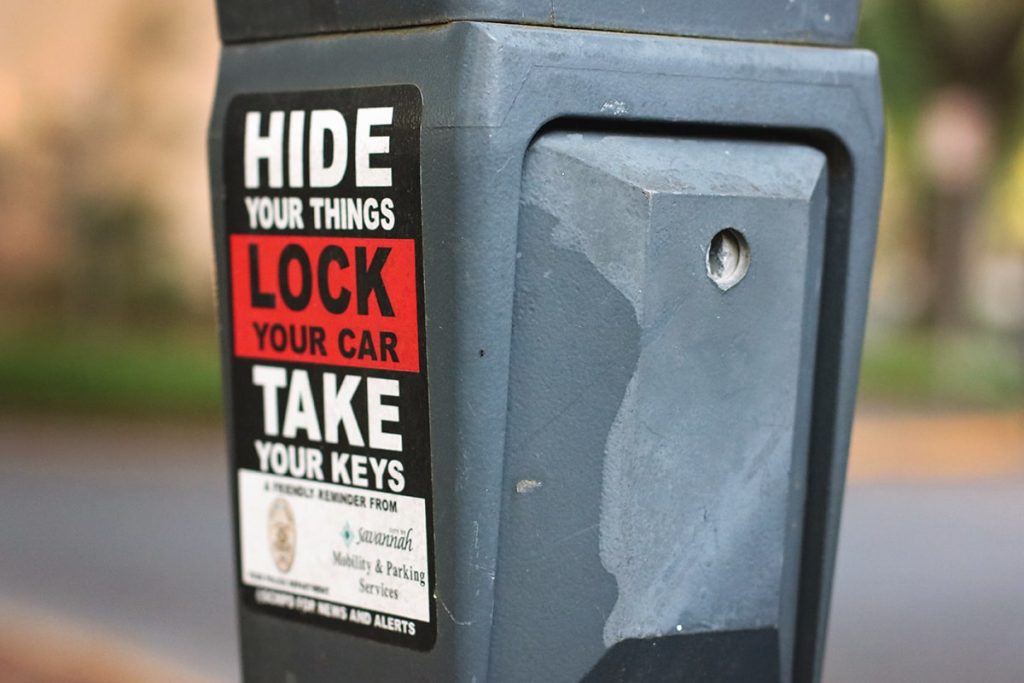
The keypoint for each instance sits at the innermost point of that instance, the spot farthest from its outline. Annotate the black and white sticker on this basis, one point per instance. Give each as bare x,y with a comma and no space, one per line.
328,368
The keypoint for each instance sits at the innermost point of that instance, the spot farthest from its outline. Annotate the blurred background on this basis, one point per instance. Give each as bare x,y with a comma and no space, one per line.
115,539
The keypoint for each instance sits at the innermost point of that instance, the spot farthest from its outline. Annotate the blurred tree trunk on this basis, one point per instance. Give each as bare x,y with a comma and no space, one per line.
951,219
956,141
960,133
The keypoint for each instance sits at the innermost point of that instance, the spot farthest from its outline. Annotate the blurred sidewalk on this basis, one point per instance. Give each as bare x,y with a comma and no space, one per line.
899,445
83,656
121,534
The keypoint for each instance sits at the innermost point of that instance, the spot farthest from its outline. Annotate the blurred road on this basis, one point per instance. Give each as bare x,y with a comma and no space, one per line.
121,530
930,584
125,531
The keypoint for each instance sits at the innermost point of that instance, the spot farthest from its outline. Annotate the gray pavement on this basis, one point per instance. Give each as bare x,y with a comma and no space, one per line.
930,584
123,531
126,531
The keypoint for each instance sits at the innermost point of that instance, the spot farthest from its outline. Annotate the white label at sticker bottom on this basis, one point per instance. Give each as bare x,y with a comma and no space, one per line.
339,544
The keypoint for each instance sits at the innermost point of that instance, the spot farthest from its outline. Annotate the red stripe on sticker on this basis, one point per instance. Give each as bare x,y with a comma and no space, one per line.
348,301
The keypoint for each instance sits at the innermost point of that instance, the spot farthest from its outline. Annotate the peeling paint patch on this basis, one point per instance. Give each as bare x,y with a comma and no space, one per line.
615,108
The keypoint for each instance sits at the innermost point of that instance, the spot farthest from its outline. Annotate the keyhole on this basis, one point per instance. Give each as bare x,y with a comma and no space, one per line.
728,258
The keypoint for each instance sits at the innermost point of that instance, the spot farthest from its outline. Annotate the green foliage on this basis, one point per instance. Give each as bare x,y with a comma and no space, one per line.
893,30
968,371
118,269
152,373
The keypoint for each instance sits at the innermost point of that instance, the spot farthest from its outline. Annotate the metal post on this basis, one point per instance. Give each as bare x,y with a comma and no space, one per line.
541,330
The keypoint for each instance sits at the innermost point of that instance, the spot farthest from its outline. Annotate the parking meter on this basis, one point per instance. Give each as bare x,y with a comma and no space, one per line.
541,324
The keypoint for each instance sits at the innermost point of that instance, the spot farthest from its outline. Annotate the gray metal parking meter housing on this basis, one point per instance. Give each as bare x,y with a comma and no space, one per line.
634,472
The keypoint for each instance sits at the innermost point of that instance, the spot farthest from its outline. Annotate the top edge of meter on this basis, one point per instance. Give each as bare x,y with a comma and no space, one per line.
811,22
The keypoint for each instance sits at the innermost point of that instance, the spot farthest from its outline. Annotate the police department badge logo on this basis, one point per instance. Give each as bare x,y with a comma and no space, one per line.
281,533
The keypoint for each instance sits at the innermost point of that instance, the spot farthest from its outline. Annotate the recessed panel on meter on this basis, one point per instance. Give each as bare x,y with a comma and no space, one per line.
669,288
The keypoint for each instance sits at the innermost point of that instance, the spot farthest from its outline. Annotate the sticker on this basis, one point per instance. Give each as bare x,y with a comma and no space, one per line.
328,369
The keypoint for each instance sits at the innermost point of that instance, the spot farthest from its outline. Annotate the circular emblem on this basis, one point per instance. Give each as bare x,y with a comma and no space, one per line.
281,532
